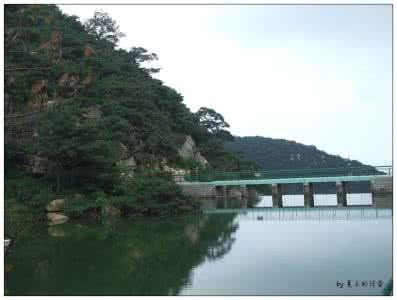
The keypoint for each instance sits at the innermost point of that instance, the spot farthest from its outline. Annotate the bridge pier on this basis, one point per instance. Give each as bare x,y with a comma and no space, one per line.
252,192
308,194
244,191
220,191
379,188
225,202
276,195
372,190
244,202
341,193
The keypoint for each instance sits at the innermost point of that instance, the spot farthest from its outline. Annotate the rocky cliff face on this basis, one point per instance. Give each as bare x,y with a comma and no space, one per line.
189,151
178,173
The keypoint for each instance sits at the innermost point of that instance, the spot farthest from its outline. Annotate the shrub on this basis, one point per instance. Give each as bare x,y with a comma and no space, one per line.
153,192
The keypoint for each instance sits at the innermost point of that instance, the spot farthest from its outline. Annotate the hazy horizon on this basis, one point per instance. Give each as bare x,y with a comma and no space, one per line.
315,74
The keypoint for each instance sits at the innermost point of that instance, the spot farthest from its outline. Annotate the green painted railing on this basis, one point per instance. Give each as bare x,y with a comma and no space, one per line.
210,175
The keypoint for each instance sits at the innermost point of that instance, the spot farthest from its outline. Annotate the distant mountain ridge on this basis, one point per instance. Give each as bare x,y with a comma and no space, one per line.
280,154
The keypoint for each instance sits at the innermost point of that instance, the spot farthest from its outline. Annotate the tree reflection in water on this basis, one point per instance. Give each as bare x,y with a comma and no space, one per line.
128,257
223,244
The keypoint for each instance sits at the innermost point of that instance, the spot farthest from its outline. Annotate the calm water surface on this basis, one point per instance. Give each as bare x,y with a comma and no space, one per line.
229,251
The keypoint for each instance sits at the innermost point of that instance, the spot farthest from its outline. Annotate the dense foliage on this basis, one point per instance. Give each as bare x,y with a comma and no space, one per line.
100,105
24,199
279,154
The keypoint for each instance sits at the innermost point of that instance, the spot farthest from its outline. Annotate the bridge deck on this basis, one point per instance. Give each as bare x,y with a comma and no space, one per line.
287,180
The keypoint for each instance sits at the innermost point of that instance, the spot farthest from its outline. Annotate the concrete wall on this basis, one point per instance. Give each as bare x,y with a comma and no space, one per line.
199,190
383,200
382,185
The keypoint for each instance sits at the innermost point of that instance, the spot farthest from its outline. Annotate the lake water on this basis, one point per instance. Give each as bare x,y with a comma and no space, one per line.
224,251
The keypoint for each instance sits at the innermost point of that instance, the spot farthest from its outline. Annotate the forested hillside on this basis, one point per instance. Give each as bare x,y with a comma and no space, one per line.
83,115
279,154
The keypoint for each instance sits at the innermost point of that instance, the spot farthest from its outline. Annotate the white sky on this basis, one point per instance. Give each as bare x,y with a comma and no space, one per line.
318,75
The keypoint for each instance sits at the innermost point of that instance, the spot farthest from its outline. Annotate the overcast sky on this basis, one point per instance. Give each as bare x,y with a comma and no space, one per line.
319,75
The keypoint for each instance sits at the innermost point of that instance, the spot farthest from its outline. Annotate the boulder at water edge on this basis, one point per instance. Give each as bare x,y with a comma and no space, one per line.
56,205
56,219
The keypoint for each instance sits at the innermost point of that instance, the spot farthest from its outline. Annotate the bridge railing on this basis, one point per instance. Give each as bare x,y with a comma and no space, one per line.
210,175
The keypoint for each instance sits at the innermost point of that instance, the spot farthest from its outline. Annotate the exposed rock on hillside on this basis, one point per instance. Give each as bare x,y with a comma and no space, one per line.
129,162
179,174
189,151
123,151
37,165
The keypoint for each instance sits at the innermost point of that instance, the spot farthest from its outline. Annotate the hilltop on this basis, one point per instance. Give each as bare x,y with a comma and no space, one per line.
280,154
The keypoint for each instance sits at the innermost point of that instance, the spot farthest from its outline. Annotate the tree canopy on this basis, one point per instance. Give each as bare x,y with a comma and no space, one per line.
279,154
103,27
103,104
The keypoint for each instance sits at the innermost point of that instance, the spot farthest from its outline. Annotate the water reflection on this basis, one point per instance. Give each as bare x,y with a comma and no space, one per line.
238,247
300,213
281,254
142,257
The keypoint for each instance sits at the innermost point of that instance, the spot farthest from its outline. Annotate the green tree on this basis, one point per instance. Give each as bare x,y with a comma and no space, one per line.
140,55
103,27
85,149
214,123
